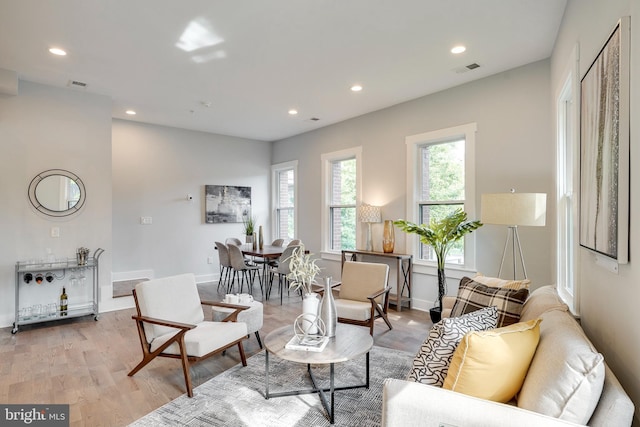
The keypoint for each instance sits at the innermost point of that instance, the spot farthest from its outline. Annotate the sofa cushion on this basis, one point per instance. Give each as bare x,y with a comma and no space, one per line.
493,364
432,361
474,296
496,282
566,375
543,299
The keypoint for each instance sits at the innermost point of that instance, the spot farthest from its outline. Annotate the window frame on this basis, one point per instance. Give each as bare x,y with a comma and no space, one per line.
327,160
275,171
414,144
567,186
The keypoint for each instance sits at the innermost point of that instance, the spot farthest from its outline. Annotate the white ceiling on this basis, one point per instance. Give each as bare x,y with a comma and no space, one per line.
253,60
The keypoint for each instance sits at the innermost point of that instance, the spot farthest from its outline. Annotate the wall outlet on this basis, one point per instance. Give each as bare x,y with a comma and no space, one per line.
210,260
146,220
55,231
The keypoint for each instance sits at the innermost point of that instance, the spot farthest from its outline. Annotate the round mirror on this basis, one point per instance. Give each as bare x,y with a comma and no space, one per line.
57,192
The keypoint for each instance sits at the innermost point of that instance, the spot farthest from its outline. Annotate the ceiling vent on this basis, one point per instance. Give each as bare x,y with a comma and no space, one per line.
466,68
77,84
314,119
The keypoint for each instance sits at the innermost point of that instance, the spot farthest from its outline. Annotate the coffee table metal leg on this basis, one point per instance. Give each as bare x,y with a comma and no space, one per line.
367,370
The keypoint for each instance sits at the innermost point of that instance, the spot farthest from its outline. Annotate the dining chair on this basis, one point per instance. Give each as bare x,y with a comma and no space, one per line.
295,242
364,294
233,241
278,242
242,270
225,264
282,270
170,323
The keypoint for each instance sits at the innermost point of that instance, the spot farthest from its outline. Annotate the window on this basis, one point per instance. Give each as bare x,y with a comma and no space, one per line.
284,200
566,169
439,164
341,192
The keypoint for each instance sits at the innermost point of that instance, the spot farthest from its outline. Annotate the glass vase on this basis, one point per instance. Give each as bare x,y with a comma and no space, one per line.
388,237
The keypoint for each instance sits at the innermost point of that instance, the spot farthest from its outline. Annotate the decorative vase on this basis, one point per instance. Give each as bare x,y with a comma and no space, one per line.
310,304
255,241
328,312
388,237
260,239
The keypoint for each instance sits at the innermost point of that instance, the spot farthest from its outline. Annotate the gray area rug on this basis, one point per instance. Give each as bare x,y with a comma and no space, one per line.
123,288
236,397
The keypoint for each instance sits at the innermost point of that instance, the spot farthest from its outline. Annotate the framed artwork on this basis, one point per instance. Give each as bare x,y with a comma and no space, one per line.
604,149
226,203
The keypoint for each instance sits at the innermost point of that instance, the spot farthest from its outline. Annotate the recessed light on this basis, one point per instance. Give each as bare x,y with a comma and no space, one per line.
356,88
458,49
57,51
130,112
293,112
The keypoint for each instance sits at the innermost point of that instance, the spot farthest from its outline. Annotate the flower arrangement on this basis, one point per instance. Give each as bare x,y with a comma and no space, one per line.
303,270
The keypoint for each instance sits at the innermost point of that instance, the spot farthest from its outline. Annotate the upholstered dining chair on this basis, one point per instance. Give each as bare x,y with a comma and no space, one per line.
277,242
225,264
245,272
281,269
364,294
170,323
294,242
233,241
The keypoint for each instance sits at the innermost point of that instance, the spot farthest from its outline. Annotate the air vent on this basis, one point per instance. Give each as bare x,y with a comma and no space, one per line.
466,68
314,119
77,84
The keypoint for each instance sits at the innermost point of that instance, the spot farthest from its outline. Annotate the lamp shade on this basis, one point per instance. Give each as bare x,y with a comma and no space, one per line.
527,209
369,213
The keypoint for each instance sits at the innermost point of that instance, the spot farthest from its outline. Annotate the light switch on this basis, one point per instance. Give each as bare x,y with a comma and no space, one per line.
55,231
146,220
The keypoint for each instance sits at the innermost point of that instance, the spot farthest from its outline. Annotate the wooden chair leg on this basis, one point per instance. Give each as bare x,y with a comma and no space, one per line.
185,367
242,355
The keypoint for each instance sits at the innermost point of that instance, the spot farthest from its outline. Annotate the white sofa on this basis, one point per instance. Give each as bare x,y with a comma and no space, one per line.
553,392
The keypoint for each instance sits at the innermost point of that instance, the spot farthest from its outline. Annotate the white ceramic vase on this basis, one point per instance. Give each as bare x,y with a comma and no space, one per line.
310,305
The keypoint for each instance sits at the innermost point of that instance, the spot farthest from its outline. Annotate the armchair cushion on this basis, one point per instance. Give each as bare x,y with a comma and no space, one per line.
493,364
356,310
361,279
205,338
156,298
431,364
474,296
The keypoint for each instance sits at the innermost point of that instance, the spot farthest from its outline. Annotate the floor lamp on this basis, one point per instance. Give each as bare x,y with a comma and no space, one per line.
370,214
513,210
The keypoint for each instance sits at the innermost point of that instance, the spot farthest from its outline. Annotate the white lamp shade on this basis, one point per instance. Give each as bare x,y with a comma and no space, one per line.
369,213
528,209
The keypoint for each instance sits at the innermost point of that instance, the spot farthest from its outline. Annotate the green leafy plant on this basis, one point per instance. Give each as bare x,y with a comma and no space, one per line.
249,224
441,234
303,270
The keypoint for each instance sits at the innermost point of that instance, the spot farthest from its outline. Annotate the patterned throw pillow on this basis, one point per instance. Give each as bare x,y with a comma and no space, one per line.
473,296
431,364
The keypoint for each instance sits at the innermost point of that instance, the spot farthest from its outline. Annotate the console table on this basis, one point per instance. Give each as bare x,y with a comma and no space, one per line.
404,272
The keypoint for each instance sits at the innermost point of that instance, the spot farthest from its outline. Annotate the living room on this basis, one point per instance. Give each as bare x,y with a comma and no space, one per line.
133,169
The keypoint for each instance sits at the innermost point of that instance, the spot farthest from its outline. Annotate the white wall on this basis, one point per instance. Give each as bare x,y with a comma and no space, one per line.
48,128
515,149
608,301
154,168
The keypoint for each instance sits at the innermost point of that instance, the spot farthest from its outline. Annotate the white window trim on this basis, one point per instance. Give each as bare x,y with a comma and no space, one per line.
326,160
414,142
274,194
571,85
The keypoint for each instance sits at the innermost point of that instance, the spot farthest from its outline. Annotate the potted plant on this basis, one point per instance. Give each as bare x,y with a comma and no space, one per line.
249,224
441,234
302,273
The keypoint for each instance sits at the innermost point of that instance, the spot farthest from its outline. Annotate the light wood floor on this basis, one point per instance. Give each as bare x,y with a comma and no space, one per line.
85,363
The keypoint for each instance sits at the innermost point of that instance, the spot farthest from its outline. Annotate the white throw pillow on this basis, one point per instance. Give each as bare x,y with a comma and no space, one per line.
431,364
566,375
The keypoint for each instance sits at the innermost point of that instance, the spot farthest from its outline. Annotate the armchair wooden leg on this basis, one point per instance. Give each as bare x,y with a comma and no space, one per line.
242,355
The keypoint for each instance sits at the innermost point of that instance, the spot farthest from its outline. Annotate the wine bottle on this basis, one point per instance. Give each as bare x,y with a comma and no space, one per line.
63,302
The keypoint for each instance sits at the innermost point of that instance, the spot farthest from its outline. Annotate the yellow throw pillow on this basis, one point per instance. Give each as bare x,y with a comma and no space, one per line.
492,364
496,282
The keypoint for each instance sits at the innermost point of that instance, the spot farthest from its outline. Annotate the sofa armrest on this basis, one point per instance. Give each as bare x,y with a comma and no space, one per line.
411,404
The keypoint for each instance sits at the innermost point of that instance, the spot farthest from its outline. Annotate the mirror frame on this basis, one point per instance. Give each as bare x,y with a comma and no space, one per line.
40,208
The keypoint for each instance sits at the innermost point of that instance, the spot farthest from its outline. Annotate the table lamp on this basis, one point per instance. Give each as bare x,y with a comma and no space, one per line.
370,214
513,210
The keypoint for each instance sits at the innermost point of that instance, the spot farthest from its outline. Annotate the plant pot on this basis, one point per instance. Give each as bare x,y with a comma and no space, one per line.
435,314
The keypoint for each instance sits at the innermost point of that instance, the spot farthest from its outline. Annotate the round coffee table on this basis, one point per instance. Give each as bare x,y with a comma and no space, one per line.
349,343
